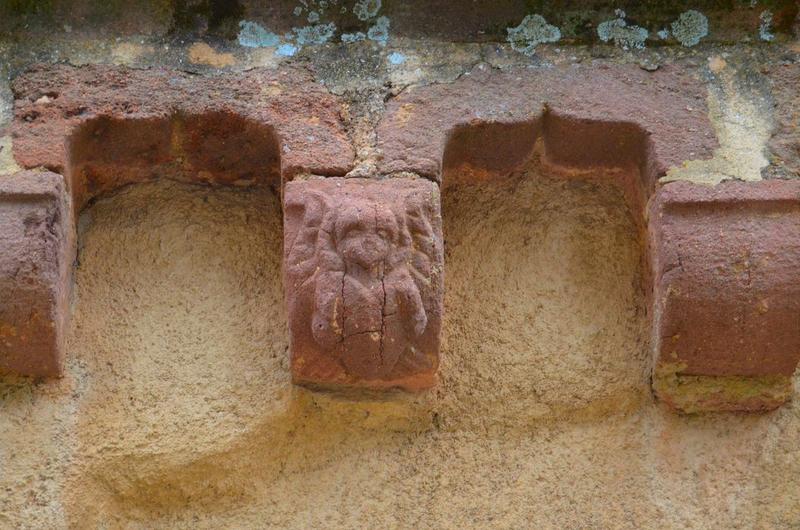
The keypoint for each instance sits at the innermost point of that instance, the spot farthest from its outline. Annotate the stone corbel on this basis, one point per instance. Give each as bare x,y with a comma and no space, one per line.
363,266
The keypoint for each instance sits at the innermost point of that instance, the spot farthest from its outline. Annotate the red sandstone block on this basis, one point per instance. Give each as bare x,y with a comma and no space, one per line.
106,126
487,122
35,262
726,293
363,266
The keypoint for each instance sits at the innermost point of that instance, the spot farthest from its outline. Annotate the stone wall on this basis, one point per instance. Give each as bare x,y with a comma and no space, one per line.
356,264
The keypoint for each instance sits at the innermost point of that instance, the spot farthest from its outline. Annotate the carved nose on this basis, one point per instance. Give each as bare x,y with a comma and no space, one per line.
373,249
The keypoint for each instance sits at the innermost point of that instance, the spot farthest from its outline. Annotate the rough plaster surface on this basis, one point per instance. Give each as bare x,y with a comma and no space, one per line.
177,411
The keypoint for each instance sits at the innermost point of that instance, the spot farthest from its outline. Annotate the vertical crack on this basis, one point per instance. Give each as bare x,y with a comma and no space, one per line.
344,305
383,289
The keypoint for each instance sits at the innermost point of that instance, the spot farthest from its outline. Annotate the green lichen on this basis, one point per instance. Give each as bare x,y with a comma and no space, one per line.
623,35
700,393
366,9
690,27
533,30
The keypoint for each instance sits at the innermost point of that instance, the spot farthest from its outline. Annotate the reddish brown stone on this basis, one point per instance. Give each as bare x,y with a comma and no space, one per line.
36,254
488,121
363,279
106,126
726,263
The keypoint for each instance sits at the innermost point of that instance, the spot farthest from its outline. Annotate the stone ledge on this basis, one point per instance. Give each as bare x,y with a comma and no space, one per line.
363,262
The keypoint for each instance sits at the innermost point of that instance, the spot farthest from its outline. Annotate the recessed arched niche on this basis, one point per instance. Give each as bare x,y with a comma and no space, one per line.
709,255
216,148
546,305
84,133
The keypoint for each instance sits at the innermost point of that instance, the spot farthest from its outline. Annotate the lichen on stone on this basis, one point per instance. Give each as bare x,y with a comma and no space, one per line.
348,38
379,32
366,9
621,33
286,49
765,26
396,58
254,35
690,27
533,30
316,34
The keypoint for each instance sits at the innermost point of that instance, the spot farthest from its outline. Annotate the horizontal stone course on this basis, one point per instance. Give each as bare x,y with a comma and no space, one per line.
54,102
363,257
586,115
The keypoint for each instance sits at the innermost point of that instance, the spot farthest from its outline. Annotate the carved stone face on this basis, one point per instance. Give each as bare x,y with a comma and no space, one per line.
364,291
365,234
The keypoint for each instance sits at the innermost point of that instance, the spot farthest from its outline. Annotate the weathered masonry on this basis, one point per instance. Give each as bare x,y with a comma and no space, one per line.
363,256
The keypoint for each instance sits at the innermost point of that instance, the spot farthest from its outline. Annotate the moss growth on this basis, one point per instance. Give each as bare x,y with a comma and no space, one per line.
699,393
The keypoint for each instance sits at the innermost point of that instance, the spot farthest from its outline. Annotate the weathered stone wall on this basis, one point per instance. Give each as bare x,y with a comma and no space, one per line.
176,407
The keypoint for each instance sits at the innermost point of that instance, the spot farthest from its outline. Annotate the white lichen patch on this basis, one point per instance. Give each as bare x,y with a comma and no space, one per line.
765,26
742,127
286,49
690,27
348,38
623,35
254,35
396,58
379,32
533,30
316,34
366,9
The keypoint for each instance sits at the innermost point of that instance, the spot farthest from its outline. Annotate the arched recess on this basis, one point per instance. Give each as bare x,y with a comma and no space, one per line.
215,148
98,128
547,284
721,287
103,154
478,151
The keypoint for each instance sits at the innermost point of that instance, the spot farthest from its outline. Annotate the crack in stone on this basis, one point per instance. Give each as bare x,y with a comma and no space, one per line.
363,332
344,305
383,302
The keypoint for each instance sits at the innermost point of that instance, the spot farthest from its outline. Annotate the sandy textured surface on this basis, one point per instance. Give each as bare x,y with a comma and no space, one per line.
177,412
